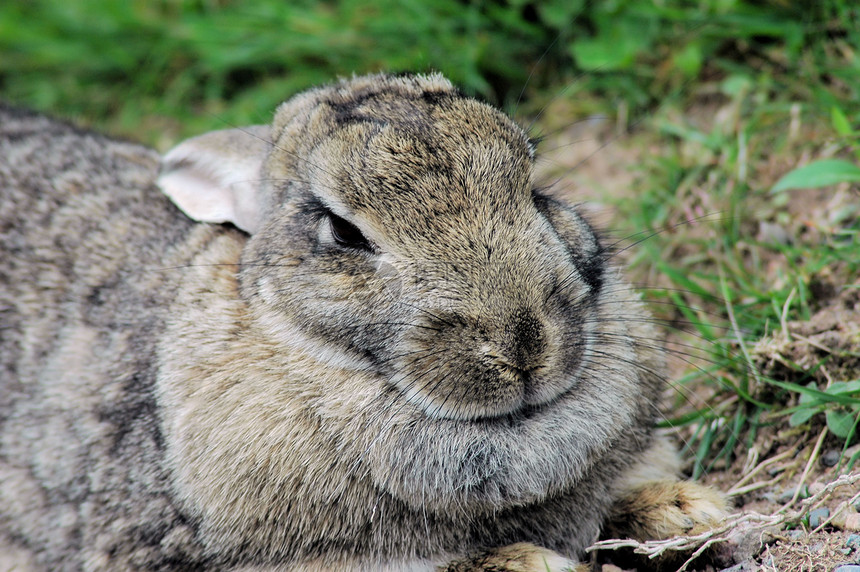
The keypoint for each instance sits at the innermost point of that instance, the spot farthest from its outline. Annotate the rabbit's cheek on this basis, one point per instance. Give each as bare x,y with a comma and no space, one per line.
332,299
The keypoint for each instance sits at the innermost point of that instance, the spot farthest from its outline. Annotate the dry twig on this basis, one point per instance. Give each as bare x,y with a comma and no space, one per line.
739,488
812,458
752,521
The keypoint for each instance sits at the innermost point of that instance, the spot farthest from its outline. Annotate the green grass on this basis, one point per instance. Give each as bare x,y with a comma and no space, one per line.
159,71
785,77
734,285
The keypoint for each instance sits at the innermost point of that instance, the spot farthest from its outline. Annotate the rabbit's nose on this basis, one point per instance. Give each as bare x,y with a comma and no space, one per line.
522,348
526,341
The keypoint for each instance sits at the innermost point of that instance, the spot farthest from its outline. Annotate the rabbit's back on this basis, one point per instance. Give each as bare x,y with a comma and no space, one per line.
86,241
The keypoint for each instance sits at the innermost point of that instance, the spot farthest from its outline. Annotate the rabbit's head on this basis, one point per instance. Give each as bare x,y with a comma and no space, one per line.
462,337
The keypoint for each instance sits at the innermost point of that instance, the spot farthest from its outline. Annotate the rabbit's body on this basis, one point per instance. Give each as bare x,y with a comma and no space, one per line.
408,358
84,291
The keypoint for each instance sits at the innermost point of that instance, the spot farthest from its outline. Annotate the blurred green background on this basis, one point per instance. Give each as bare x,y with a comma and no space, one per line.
160,70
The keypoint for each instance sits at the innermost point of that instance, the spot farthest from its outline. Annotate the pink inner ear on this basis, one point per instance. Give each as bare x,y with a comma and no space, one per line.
197,195
215,177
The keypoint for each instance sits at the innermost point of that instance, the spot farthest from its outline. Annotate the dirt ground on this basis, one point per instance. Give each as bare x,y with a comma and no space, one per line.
790,512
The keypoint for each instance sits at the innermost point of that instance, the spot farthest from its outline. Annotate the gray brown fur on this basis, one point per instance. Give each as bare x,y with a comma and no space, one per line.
179,395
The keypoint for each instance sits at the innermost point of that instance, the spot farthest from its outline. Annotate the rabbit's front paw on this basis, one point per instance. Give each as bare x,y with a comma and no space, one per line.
520,557
666,508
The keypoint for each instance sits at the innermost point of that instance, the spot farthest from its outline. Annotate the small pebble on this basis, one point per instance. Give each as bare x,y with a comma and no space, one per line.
831,457
847,519
847,568
795,534
817,516
816,487
853,541
788,494
772,233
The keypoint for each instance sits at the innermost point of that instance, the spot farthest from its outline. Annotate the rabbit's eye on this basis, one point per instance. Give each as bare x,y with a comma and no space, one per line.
347,234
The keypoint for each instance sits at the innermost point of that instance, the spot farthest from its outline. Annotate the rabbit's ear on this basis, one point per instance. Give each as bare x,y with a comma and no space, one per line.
216,177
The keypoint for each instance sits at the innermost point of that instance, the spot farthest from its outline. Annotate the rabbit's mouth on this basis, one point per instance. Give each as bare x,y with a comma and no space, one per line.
490,392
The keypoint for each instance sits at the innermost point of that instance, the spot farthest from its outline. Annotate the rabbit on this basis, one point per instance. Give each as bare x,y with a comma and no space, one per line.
358,338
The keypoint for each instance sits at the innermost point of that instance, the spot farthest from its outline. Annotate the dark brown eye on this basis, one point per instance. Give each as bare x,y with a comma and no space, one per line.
347,234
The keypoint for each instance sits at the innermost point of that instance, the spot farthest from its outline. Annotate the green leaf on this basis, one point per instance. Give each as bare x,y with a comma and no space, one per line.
736,85
801,417
840,422
818,174
818,396
558,14
840,122
844,387
689,59
614,48
806,398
